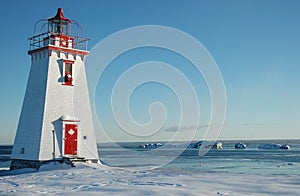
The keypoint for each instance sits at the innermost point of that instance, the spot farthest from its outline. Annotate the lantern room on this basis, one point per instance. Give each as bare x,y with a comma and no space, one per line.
59,25
58,31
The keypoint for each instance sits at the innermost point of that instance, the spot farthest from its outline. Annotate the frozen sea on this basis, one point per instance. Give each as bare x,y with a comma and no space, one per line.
169,169
174,157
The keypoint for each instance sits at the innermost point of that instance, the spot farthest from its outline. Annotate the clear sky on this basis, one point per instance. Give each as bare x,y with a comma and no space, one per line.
256,45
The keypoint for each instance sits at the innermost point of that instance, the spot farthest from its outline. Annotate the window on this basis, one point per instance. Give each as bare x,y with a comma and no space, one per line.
58,27
68,73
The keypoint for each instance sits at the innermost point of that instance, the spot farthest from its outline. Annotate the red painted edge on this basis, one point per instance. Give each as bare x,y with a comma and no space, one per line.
68,61
55,48
68,84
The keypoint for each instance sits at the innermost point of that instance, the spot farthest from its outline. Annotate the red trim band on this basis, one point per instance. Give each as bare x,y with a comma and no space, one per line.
67,50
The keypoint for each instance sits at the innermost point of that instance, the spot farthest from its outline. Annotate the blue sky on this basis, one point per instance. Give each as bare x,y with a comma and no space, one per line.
256,45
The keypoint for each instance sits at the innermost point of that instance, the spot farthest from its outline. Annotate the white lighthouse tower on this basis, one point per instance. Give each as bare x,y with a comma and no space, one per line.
56,118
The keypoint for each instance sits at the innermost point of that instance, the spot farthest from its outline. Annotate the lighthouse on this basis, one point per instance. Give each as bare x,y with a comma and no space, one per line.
56,122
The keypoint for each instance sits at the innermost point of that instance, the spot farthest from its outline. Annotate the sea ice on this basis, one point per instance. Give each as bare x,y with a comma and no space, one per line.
103,180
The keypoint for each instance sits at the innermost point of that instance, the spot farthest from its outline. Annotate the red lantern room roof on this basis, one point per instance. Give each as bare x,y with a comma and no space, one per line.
59,16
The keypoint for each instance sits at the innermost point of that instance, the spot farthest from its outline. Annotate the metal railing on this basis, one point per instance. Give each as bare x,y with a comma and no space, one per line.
48,38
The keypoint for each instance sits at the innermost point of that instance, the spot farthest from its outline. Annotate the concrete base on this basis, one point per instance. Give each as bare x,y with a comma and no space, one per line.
20,164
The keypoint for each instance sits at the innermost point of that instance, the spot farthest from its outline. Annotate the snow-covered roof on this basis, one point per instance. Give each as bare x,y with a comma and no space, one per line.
69,117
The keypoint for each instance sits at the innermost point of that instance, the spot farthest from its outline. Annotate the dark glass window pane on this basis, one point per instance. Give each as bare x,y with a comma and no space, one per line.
68,68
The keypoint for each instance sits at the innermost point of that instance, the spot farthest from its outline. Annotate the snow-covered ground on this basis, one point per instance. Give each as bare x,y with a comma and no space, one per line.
103,180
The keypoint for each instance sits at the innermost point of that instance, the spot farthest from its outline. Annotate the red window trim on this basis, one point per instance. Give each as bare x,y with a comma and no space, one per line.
68,61
68,84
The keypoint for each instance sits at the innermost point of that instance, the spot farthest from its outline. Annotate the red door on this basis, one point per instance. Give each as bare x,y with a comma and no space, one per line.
71,139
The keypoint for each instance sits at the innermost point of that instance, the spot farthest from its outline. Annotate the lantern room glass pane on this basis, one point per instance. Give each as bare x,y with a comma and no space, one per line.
64,28
58,27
